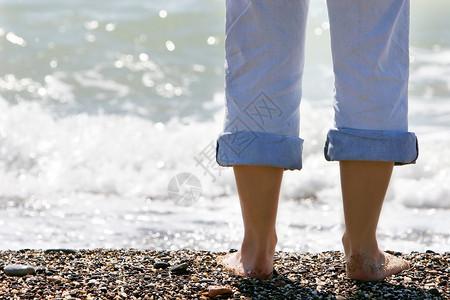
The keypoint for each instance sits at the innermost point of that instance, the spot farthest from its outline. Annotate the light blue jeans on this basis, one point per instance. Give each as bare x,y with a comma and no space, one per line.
265,42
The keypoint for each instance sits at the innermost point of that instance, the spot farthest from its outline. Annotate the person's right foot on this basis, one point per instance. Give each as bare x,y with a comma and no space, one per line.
365,267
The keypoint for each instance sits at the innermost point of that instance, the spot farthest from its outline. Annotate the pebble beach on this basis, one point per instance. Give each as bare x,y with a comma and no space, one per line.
188,274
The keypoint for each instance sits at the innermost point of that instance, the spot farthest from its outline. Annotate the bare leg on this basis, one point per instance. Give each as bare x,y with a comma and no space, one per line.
364,185
258,188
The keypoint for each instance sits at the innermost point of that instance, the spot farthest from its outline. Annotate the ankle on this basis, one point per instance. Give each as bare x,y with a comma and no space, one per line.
259,246
360,247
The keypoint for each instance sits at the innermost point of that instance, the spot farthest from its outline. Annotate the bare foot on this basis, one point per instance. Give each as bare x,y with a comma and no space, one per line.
236,264
365,268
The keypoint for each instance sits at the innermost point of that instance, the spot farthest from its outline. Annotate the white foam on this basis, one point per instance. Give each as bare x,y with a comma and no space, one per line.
133,157
104,154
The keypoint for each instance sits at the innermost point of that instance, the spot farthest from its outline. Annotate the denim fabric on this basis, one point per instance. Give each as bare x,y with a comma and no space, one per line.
265,42
371,145
259,148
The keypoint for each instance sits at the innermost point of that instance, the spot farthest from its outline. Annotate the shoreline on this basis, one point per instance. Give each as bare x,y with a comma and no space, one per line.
189,274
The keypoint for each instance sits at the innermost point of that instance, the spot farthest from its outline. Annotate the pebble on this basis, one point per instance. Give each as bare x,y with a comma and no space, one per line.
60,250
160,265
19,270
429,285
49,272
216,290
434,291
179,269
165,258
443,283
279,283
55,279
117,274
92,282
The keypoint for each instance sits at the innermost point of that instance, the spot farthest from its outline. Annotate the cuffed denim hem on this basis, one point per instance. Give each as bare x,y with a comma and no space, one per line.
371,145
259,148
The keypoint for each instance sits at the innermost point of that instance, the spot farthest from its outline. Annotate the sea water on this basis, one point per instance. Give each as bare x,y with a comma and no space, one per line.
109,113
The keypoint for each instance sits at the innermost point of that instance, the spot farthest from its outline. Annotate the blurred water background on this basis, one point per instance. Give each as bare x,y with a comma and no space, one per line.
103,103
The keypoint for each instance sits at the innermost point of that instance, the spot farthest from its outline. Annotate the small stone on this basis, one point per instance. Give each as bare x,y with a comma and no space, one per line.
430,252
31,279
50,272
205,280
55,279
161,265
19,270
443,283
232,250
165,258
407,279
62,250
92,282
434,291
279,283
216,290
41,270
138,268
179,269
429,285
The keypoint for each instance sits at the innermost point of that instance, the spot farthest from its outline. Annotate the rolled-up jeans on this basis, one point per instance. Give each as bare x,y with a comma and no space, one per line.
265,45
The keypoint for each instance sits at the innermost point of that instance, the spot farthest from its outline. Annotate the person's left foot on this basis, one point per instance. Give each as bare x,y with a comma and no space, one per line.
254,268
